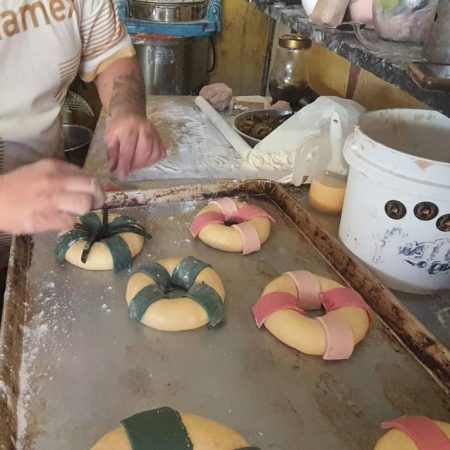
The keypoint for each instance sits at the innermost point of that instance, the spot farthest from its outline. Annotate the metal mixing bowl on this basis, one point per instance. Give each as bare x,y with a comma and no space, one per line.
77,140
257,124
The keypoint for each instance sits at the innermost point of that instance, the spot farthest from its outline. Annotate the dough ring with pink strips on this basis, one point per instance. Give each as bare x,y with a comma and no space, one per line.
232,226
282,310
415,432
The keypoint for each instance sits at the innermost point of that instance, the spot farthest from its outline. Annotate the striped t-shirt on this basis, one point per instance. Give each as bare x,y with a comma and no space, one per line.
43,45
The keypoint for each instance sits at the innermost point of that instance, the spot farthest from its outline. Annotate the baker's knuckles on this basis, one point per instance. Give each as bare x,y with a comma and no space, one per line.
47,220
78,204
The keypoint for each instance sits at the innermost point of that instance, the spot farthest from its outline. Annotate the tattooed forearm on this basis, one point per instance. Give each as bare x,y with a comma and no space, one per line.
128,93
121,88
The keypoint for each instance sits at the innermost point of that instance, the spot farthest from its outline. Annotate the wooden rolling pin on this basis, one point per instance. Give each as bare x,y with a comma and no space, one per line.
224,127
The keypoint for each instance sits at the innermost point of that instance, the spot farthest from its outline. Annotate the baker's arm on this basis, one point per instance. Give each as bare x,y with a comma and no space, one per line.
47,195
132,140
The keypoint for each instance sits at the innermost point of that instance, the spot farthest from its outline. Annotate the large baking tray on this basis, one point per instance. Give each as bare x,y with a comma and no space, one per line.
72,365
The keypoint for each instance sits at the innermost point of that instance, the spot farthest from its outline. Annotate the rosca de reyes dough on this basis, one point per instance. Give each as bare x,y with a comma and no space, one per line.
102,242
415,433
167,429
282,310
232,226
176,294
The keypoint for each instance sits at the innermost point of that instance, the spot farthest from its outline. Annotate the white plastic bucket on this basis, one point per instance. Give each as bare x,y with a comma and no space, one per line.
396,215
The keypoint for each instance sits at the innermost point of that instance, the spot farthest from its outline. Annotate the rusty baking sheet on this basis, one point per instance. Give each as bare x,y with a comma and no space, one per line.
72,365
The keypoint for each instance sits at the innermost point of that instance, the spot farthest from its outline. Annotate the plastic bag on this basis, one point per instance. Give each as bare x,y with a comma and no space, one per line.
398,20
278,150
329,13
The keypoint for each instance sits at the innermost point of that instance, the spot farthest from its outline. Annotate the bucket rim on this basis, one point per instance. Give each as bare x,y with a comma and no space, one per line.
409,184
395,151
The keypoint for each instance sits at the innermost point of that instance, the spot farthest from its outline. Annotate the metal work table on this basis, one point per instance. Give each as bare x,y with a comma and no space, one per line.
432,310
67,340
70,355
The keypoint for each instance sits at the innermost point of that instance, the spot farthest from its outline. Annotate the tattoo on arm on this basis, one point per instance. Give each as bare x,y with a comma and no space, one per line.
128,93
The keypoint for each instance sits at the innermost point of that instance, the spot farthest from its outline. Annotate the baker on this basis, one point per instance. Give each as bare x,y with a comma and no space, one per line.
44,44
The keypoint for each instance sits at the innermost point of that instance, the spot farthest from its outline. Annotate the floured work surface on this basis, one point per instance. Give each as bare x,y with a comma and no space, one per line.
79,365
195,148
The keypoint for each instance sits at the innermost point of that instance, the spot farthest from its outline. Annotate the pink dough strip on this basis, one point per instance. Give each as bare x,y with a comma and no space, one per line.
249,212
273,302
227,206
340,297
207,218
250,238
308,288
422,430
339,336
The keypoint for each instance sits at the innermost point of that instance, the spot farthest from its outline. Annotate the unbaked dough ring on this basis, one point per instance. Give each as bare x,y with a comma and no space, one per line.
179,313
219,235
125,245
282,307
195,432
415,433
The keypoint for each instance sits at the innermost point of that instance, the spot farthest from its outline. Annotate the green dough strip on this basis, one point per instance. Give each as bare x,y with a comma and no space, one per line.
120,252
91,229
120,221
143,300
92,222
210,300
187,271
159,429
156,272
66,240
125,224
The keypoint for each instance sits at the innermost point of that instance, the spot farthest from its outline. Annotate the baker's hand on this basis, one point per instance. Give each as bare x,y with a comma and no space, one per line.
218,94
133,143
44,196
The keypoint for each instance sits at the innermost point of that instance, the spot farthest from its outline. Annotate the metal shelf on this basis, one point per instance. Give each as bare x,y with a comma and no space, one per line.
389,61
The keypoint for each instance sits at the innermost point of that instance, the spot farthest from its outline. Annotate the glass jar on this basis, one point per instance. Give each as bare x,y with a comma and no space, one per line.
289,76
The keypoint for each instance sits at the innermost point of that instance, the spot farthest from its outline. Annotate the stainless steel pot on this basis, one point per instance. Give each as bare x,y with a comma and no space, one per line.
180,11
172,65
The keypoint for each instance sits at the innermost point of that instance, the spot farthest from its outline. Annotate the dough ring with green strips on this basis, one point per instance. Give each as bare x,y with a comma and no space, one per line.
167,429
176,294
102,242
